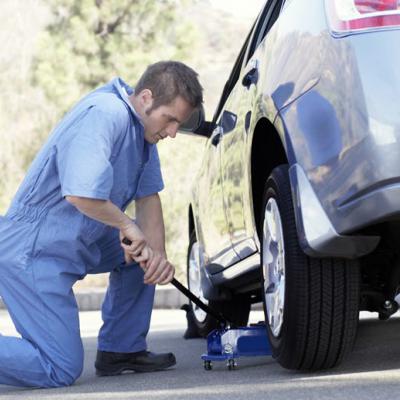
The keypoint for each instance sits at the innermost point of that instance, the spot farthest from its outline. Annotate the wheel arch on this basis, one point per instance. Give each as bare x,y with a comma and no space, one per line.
267,152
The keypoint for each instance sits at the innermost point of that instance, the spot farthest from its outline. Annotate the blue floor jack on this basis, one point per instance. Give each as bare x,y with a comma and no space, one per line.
228,343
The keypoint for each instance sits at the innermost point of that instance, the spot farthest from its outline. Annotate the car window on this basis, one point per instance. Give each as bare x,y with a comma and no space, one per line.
268,17
260,28
233,77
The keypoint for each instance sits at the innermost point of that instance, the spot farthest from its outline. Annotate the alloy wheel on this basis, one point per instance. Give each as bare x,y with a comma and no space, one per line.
194,278
273,266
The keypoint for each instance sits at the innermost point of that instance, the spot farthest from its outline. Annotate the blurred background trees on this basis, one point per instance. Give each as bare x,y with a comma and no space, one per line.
89,41
55,51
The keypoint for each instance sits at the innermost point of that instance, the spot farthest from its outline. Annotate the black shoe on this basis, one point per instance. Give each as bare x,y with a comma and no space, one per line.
108,363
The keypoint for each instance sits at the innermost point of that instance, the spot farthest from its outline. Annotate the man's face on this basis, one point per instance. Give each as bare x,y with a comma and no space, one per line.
164,120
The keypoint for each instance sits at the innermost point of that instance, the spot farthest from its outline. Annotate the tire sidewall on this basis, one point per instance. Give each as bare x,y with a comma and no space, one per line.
273,190
209,323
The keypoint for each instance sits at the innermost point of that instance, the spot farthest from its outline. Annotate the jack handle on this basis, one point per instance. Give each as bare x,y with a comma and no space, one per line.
219,317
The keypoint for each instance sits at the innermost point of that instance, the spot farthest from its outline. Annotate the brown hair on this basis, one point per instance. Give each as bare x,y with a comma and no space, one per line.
168,80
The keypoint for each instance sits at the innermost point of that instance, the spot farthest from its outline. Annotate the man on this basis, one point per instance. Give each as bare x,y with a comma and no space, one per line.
67,220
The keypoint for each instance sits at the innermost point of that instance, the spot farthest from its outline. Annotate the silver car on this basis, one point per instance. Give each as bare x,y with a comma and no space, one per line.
297,203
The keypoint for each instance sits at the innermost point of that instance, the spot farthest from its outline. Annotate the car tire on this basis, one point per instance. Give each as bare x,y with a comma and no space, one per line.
235,310
311,305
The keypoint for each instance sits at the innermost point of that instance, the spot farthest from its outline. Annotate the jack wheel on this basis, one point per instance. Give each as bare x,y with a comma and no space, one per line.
231,364
208,365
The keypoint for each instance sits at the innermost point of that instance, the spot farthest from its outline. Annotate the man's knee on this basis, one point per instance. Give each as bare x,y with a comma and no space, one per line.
67,371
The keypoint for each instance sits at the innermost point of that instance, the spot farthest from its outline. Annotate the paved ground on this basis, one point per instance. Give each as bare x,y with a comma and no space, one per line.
372,371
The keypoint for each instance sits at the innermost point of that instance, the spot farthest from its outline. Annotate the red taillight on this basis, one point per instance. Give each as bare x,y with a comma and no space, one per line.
369,6
347,16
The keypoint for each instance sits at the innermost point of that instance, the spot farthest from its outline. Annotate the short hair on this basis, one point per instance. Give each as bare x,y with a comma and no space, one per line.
169,79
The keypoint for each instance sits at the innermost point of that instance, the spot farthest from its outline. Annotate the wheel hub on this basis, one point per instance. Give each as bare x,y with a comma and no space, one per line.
194,278
273,266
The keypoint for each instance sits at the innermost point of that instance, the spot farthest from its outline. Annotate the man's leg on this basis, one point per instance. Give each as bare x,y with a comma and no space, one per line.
126,314
43,308
128,303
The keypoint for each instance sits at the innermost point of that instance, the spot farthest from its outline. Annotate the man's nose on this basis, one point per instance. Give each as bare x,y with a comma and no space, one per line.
172,130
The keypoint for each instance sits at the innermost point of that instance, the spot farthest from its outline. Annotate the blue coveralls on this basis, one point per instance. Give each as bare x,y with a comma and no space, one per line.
97,151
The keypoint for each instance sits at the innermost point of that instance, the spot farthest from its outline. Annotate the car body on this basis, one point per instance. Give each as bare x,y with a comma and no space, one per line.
315,89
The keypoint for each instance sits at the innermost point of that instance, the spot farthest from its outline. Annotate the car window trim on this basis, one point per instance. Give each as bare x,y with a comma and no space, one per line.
261,22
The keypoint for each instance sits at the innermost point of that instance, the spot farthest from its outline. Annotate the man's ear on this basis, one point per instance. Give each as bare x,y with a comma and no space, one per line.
146,98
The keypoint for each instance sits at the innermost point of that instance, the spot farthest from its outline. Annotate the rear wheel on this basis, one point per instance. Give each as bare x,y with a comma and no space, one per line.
236,310
311,304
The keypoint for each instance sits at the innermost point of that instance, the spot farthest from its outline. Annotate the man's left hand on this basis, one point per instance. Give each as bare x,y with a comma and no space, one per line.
159,271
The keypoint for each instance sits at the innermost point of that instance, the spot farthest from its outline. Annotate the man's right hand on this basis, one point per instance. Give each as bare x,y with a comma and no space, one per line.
138,251
158,270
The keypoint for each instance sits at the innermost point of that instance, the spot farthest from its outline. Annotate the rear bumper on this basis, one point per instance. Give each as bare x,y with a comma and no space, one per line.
378,203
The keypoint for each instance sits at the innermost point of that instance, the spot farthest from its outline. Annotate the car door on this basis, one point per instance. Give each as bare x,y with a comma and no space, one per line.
213,228
234,154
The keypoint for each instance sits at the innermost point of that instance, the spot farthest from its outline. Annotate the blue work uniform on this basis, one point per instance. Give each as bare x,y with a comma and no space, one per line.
97,151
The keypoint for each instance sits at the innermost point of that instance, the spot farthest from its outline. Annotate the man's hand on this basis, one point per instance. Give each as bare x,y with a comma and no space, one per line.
149,250
158,270
138,251
150,220
149,253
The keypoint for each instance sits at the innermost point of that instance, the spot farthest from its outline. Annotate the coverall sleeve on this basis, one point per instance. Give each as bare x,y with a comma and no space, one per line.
83,158
150,181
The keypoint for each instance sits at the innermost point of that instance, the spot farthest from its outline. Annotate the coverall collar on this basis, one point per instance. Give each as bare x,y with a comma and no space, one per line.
125,91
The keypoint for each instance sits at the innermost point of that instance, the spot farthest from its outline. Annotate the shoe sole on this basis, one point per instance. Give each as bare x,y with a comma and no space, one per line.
135,368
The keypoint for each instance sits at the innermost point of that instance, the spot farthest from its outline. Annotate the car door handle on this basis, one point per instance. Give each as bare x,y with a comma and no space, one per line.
216,139
217,136
250,78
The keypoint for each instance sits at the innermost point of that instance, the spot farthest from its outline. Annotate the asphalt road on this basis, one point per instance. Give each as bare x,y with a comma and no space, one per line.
371,372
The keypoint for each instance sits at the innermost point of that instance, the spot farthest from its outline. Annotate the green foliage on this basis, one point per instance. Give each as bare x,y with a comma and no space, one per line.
22,107
89,41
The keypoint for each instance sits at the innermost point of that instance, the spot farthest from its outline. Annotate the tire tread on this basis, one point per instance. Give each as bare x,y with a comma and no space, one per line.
321,308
